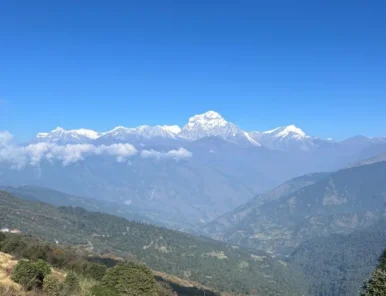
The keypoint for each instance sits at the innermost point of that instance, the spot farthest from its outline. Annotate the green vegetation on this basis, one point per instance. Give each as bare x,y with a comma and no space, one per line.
337,203
209,262
339,264
31,274
376,285
128,278
74,274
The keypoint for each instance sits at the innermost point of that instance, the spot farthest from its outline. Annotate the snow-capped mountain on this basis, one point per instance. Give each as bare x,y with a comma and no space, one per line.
285,139
212,124
209,124
145,131
61,136
118,134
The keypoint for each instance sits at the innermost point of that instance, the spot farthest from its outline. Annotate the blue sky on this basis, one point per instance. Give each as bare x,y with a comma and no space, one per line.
318,64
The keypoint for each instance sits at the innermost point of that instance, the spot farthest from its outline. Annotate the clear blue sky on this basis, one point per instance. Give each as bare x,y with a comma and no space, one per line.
96,64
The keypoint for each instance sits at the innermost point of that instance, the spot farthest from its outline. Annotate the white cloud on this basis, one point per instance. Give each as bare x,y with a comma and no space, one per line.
70,153
180,153
5,138
121,151
33,154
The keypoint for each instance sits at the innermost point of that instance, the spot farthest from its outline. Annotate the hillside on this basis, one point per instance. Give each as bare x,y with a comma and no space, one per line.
57,199
340,264
376,285
340,202
224,267
90,268
229,221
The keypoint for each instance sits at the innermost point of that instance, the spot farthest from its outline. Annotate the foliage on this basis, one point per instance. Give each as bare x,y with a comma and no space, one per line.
339,264
52,286
100,290
95,271
71,284
128,278
376,285
186,256
30,274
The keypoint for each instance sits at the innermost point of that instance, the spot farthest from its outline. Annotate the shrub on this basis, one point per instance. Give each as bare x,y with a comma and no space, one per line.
30,274
100,290
95,271
71,284
52,286
128,278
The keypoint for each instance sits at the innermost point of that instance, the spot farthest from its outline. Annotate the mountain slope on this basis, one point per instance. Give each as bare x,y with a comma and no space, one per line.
57,198
229,221
339,264
222,266
341,202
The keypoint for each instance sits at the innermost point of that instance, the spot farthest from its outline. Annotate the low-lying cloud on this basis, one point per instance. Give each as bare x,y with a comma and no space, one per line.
180,153
33,154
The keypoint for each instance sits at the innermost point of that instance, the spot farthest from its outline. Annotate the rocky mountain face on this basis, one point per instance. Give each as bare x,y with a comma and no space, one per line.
180,176
308,207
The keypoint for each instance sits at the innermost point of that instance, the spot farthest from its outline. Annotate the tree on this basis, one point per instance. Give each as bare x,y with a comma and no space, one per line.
131,279
30,274
71,285
376,286
100,290
52,286
95,271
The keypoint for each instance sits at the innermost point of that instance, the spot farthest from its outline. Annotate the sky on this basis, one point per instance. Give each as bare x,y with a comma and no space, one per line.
320,65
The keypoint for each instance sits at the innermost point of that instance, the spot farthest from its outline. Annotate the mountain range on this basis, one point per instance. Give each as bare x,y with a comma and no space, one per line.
181,177
307,207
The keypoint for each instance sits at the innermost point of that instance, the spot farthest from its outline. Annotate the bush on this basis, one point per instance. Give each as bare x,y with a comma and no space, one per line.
128,278
95,271
52,286
71,285
30,274
2,237
100,290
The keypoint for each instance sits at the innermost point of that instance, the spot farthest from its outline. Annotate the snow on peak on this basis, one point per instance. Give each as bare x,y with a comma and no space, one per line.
144,131
208,119
286,131
87,133
212,124
174,129
59,134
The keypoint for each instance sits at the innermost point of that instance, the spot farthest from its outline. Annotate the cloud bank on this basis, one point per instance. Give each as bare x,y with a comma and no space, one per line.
180,153
34,154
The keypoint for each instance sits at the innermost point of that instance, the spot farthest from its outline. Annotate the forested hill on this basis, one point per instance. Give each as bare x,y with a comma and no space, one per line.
376,285
340,264
340,202
212,263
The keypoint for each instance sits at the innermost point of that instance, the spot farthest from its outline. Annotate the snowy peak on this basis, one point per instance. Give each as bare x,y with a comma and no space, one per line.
60,134
174,129
286,138
210,119
212,124
286,131
146,131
